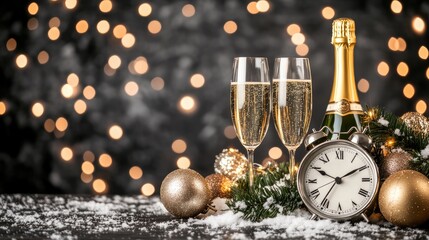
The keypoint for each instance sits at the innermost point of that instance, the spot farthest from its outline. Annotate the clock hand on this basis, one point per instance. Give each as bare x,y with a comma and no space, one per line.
326,184
323,173
328,192
353,171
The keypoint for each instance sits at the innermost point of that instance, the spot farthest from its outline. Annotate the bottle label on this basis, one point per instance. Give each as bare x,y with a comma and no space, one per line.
344,107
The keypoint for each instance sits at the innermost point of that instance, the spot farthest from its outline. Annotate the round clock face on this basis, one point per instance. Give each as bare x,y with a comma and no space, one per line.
338,180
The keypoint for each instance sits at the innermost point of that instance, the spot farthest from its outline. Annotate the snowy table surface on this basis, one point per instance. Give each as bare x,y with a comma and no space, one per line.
137,217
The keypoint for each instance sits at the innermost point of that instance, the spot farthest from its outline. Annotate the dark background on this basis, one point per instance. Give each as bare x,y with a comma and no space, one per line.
30,159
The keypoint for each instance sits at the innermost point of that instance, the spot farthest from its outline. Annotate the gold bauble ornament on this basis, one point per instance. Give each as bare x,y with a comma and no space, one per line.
219,185
185,193
231,163
417,122
404,198
394,162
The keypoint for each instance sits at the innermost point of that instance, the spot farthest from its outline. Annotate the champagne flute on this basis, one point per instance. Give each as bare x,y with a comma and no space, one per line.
250,104
292,103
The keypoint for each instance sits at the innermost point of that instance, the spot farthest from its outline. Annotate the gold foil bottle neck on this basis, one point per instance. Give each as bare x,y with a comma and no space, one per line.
343,31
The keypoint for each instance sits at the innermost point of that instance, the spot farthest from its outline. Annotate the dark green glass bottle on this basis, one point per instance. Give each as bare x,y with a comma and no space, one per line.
344,109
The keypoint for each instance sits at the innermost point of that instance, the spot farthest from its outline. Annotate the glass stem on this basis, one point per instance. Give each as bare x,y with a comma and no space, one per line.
250,165
292,166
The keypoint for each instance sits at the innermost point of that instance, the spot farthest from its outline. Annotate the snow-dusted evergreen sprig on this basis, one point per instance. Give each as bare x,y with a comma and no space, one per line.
271,194
388,130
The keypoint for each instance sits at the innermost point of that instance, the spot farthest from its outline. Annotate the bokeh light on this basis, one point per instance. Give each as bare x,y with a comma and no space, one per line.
67,90
21,61
187,104
33,8
3,108
396,6
421,107
73,79
408,91
49,125
229,132
230,27
423,52
103,26
105,6
43,57
80,106
197,80
99,186
275,152
419,25
66,153
88,156
154,26
148,189
293,28
87,167
38,109
251,8
131,88
328,13
383,68
61,124
128,40
402,69
145,9
119,31
82,26
179,146
363,85
54,22
105,160
183,163
135,172
263,6
11,44
157,83
115,132
188,10
86,178
70,4
298,38
302,50
54,33
89,92
114,62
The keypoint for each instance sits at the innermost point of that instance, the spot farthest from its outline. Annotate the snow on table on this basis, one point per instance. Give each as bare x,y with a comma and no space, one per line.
138,217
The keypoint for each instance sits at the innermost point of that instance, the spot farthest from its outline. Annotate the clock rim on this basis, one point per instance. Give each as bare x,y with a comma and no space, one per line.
301,179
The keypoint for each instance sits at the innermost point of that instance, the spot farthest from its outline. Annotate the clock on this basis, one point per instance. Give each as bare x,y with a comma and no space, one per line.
338,179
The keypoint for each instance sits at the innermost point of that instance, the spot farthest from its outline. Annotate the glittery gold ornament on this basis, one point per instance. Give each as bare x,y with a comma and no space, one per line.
404,198
185,193
394,162
231,163
219,185
417,122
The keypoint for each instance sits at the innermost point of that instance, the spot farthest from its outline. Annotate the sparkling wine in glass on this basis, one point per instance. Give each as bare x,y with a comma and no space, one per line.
292,103
250,103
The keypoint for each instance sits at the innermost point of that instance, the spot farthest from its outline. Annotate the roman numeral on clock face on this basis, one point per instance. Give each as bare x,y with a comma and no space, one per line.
325,203
312,180
339,154
324,160
339,207
363,192
354,157
315,193
366,179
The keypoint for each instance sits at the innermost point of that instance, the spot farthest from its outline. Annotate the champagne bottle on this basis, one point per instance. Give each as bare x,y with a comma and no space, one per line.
344,109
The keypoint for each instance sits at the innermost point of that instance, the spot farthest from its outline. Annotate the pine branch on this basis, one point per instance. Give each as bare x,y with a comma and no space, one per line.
271,194
389,131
